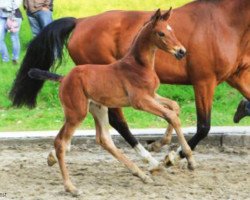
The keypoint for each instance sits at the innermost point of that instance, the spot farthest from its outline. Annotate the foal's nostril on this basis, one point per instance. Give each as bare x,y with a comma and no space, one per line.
182,52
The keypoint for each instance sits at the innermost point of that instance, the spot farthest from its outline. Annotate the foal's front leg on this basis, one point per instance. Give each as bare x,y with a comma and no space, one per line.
149,104
166,139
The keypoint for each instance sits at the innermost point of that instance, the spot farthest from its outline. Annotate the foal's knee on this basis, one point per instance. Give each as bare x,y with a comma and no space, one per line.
173,119
176,107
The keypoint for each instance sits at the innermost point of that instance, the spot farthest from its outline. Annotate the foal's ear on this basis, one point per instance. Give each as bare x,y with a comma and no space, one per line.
156,16
167,14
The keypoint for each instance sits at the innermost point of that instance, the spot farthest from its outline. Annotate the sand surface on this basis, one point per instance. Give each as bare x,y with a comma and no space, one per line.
221,173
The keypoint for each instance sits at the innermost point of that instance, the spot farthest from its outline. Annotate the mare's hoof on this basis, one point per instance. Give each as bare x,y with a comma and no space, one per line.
51,160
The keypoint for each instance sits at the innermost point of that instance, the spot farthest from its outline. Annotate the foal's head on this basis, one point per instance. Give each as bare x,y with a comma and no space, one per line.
163,35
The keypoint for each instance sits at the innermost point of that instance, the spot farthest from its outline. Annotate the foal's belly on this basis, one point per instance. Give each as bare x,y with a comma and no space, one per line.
111,102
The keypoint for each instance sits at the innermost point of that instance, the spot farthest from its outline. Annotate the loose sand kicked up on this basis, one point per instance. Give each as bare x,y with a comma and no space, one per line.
221,173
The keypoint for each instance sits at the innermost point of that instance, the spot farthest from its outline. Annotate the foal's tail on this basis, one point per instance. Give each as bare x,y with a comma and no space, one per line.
42,53
43,75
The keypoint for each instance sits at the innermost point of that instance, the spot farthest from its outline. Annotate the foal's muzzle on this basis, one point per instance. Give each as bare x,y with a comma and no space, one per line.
180,53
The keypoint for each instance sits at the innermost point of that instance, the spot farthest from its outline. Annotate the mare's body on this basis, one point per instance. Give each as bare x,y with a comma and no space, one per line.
215,33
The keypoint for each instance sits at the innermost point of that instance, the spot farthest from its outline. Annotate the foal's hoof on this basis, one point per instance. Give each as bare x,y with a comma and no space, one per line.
73,191
170,159
51,160
147,179
155,146
156,170
191,165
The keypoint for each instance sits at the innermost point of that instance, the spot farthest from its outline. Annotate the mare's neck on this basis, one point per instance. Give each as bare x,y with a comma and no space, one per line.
143,49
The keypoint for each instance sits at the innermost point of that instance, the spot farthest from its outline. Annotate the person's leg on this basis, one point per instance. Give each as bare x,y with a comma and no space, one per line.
242,111
34,24
3,48
44,17
16,42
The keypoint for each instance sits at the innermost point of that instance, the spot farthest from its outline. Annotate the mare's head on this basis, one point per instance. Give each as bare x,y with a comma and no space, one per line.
163,35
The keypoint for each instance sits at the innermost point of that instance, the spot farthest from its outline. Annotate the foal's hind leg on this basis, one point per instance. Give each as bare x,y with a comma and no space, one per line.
100,114
61,142
75,109
172,105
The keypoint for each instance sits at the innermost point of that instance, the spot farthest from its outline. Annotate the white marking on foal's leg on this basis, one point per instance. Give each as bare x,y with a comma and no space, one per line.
146,155
173,157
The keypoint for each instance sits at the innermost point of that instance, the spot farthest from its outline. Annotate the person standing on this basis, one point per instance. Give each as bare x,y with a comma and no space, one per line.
39,13
10,20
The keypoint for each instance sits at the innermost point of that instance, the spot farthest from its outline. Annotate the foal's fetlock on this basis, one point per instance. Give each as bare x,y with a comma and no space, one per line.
51,160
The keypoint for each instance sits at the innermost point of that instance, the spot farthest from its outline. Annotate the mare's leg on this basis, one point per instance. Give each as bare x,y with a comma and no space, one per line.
117,121
150,105
172,105
242,111
100,114
241,81
204,93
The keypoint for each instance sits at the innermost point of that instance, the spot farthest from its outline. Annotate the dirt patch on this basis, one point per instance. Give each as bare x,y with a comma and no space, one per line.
222,173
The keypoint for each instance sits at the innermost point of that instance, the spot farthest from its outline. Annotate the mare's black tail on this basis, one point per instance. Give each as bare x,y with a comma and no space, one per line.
42,53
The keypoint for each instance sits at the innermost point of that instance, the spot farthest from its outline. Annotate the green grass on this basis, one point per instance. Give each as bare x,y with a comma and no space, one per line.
48,114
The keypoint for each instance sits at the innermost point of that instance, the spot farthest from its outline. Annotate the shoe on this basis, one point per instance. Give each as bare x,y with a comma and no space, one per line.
14,62
241,111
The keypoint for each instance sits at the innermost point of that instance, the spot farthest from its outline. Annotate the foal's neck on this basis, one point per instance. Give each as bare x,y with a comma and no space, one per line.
143,49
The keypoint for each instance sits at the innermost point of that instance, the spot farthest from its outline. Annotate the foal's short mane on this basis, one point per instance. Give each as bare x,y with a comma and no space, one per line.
139,31
147,23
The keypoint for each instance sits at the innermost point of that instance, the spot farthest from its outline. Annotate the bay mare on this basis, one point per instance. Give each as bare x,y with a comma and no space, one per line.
215,33
131,81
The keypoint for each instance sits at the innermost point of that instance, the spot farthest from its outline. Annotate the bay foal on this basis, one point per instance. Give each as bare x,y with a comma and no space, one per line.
131,81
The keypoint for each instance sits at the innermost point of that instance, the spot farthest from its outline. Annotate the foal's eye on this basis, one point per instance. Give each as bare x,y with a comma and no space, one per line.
161,34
